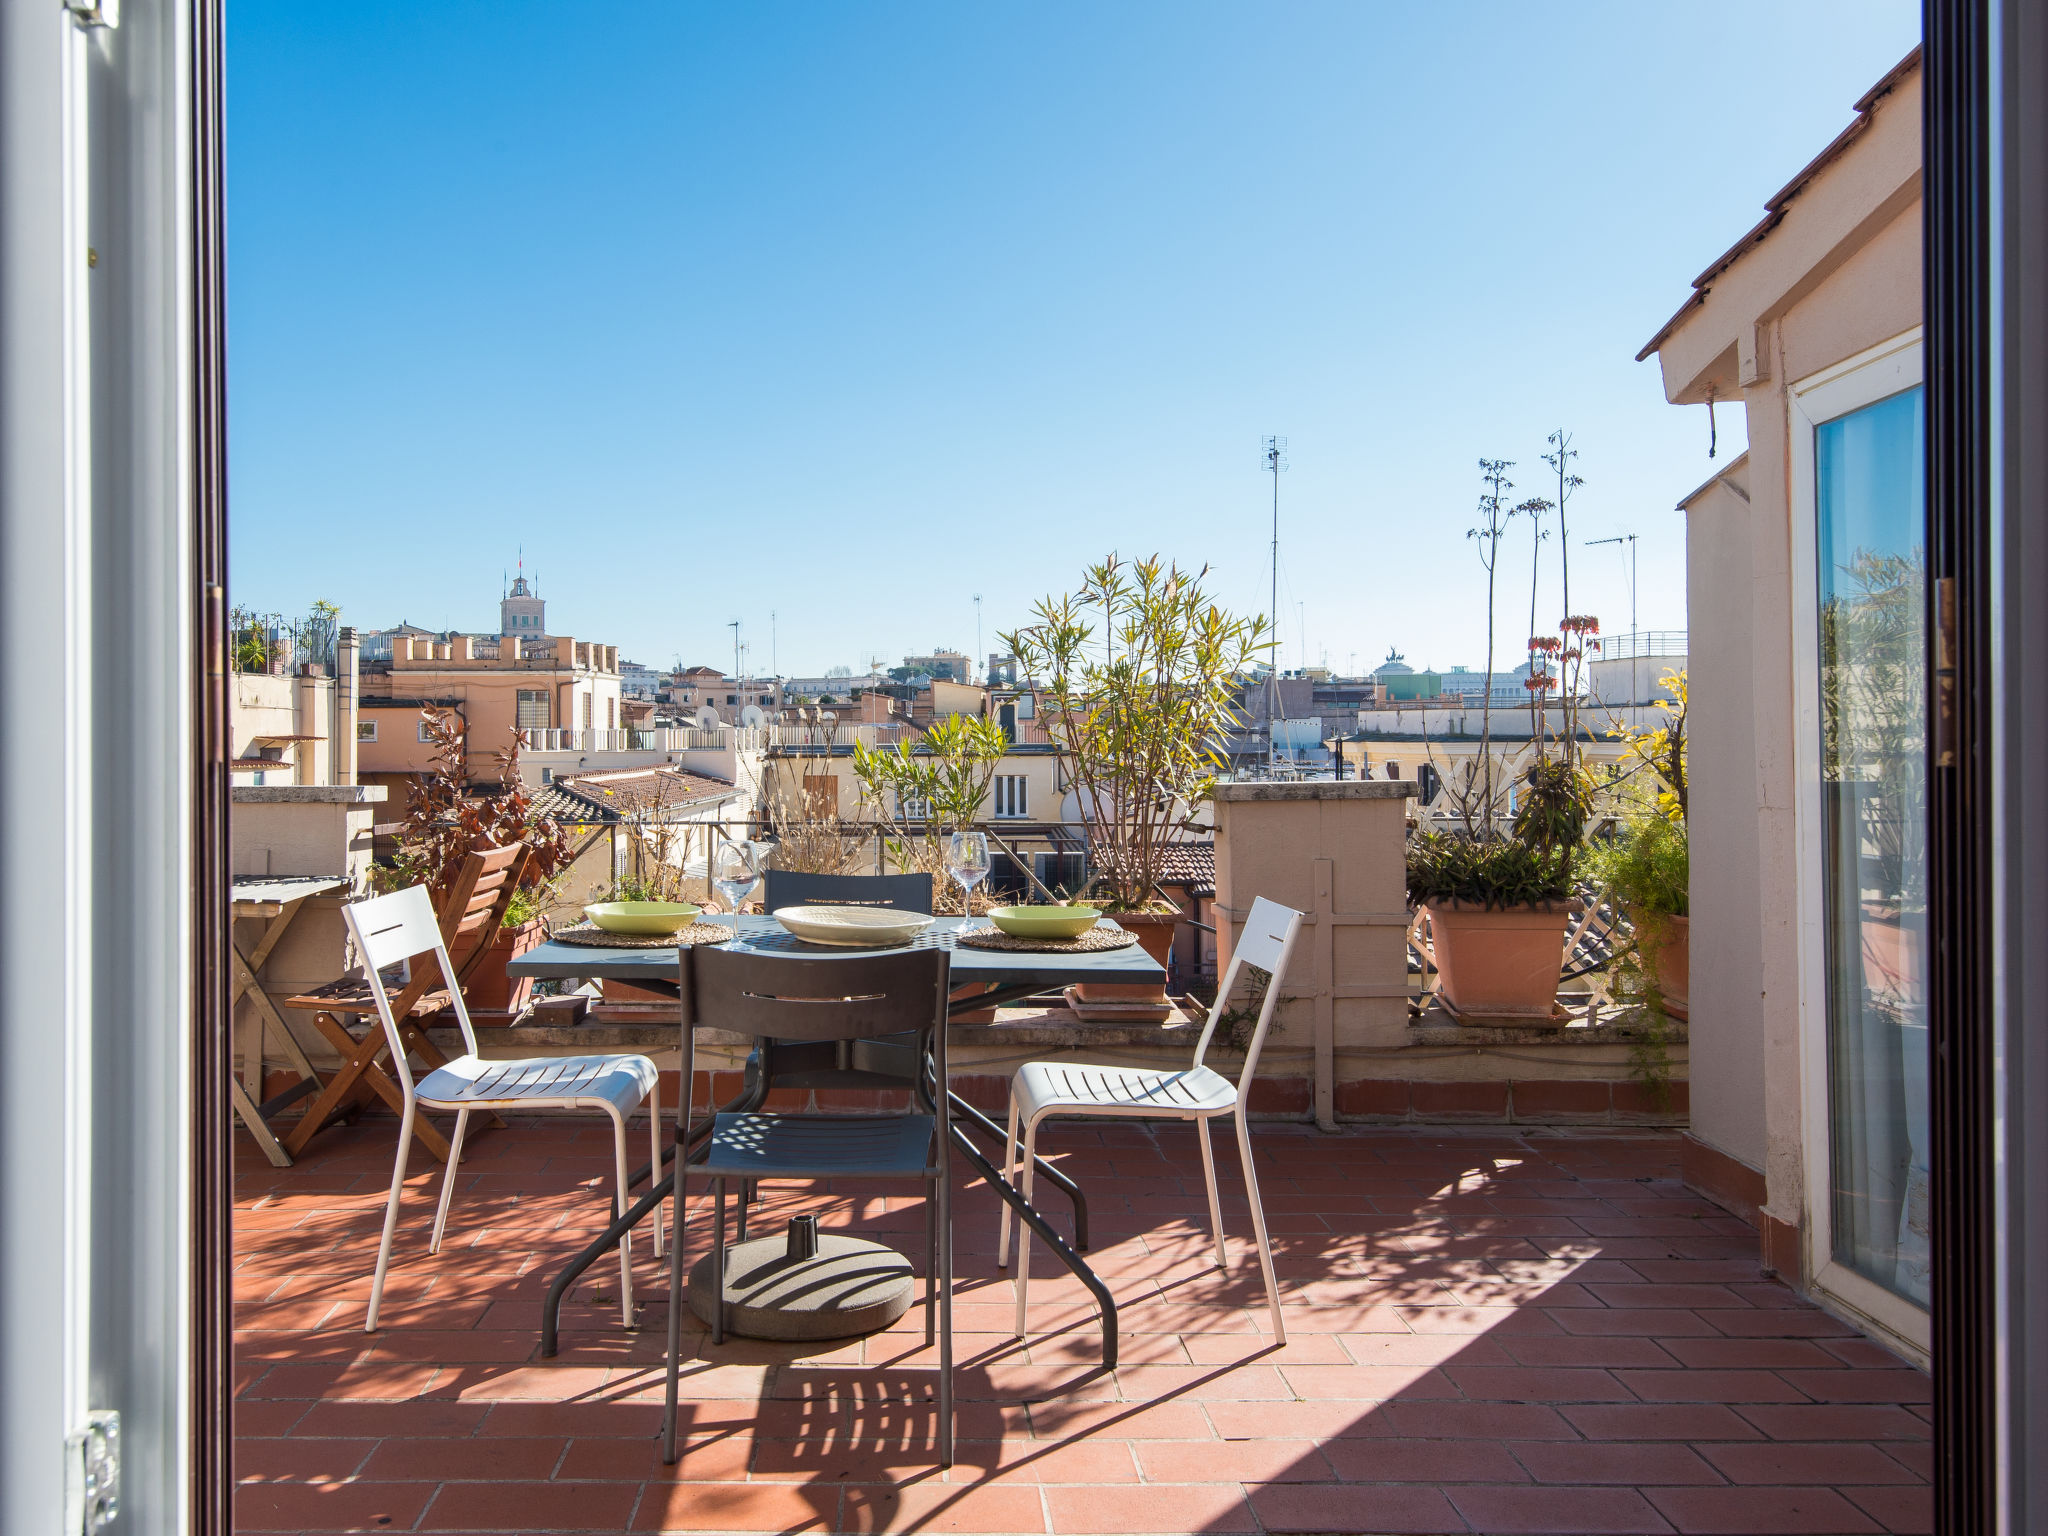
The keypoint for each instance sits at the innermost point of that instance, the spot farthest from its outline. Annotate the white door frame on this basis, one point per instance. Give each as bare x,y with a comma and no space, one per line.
98,786
1871,375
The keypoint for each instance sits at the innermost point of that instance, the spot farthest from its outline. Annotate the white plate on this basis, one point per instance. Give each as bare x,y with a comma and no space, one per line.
855,927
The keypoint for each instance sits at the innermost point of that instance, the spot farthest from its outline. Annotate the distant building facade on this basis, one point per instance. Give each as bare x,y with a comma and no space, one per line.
522,611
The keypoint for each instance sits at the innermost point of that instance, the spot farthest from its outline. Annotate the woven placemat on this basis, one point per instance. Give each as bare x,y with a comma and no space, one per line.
1090,942
594,937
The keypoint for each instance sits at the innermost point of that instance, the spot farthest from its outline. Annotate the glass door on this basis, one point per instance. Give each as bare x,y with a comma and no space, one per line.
1870,520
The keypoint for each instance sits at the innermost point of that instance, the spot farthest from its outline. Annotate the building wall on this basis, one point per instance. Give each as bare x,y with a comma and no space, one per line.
487,696
1043,800
1725,826
1631,680
1838,273
267,705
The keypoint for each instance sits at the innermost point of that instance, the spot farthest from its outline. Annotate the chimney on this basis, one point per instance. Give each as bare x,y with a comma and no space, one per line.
565,651
306,721
343,747
465,649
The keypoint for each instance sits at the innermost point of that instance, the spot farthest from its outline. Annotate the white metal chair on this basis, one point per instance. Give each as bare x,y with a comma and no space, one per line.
402,927
1045,1088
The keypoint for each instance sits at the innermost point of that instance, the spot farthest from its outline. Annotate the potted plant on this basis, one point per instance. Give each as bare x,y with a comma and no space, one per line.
1143,667
920,793
1646,867
1499,903
1497,887
446,820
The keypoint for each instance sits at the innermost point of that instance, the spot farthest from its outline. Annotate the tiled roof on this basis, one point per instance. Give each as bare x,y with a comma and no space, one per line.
1192,865
597,799
571,810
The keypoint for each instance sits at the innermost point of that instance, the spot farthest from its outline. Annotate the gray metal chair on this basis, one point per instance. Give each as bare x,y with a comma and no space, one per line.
799,888
802,888
795,1003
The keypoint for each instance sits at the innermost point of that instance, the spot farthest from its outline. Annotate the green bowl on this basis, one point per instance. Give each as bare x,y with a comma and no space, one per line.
1045,922
642,916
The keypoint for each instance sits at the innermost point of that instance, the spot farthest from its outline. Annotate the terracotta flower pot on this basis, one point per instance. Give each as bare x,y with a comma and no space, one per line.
493,997
1674,965
1126,1002
1499,965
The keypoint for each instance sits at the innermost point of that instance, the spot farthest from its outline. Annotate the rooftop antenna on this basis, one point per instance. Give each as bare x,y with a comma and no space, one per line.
973,660
1276,465
734,626
1628,557
774,656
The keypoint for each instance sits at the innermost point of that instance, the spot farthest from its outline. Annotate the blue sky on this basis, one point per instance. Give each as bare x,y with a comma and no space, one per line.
847,312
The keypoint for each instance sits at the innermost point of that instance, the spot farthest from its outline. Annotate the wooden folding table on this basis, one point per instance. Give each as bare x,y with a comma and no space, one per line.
273,900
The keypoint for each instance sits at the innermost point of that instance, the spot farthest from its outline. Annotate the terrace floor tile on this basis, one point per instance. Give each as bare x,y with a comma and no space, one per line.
1488,1330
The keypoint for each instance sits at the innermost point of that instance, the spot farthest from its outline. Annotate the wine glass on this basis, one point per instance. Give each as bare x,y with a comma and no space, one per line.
735,872
967,863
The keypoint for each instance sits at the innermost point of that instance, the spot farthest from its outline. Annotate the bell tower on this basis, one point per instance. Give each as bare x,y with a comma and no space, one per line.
522,611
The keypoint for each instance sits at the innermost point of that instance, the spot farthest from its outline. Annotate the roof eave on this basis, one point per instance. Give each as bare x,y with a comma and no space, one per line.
1776,205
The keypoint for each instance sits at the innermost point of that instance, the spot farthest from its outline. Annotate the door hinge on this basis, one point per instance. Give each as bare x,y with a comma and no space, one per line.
95,13
92,1474
1945,646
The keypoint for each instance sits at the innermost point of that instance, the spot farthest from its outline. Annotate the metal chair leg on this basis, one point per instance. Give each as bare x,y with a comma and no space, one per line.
718,1265
1251,1185
654,1167
390,1218
448,1171
931,1262
675,1324
944,1223
1215,1204
1009,1172
619,1209
1023,1278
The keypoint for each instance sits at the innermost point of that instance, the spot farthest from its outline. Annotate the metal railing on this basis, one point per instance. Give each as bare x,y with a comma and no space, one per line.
1647,642
721,738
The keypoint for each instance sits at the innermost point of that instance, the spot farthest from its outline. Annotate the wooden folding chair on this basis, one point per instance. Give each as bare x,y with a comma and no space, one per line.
469,920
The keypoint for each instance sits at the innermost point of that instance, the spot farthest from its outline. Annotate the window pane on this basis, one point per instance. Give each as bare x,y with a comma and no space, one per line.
1871,521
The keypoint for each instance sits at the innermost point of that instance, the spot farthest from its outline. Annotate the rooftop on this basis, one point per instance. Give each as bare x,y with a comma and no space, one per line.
1491,1330
593,798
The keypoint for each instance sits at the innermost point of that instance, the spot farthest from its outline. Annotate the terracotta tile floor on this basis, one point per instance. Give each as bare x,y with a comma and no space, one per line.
1488,1331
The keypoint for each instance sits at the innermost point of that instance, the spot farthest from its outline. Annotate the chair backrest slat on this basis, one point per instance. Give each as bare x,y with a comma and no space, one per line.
785,997
491,877
800,888
1265,935
1267,942
467,925
402,926
396,927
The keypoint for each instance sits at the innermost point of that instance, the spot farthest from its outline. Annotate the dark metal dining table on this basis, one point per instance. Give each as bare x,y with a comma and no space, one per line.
1005,977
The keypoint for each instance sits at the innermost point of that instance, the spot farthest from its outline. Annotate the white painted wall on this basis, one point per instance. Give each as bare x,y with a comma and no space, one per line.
1727,1028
